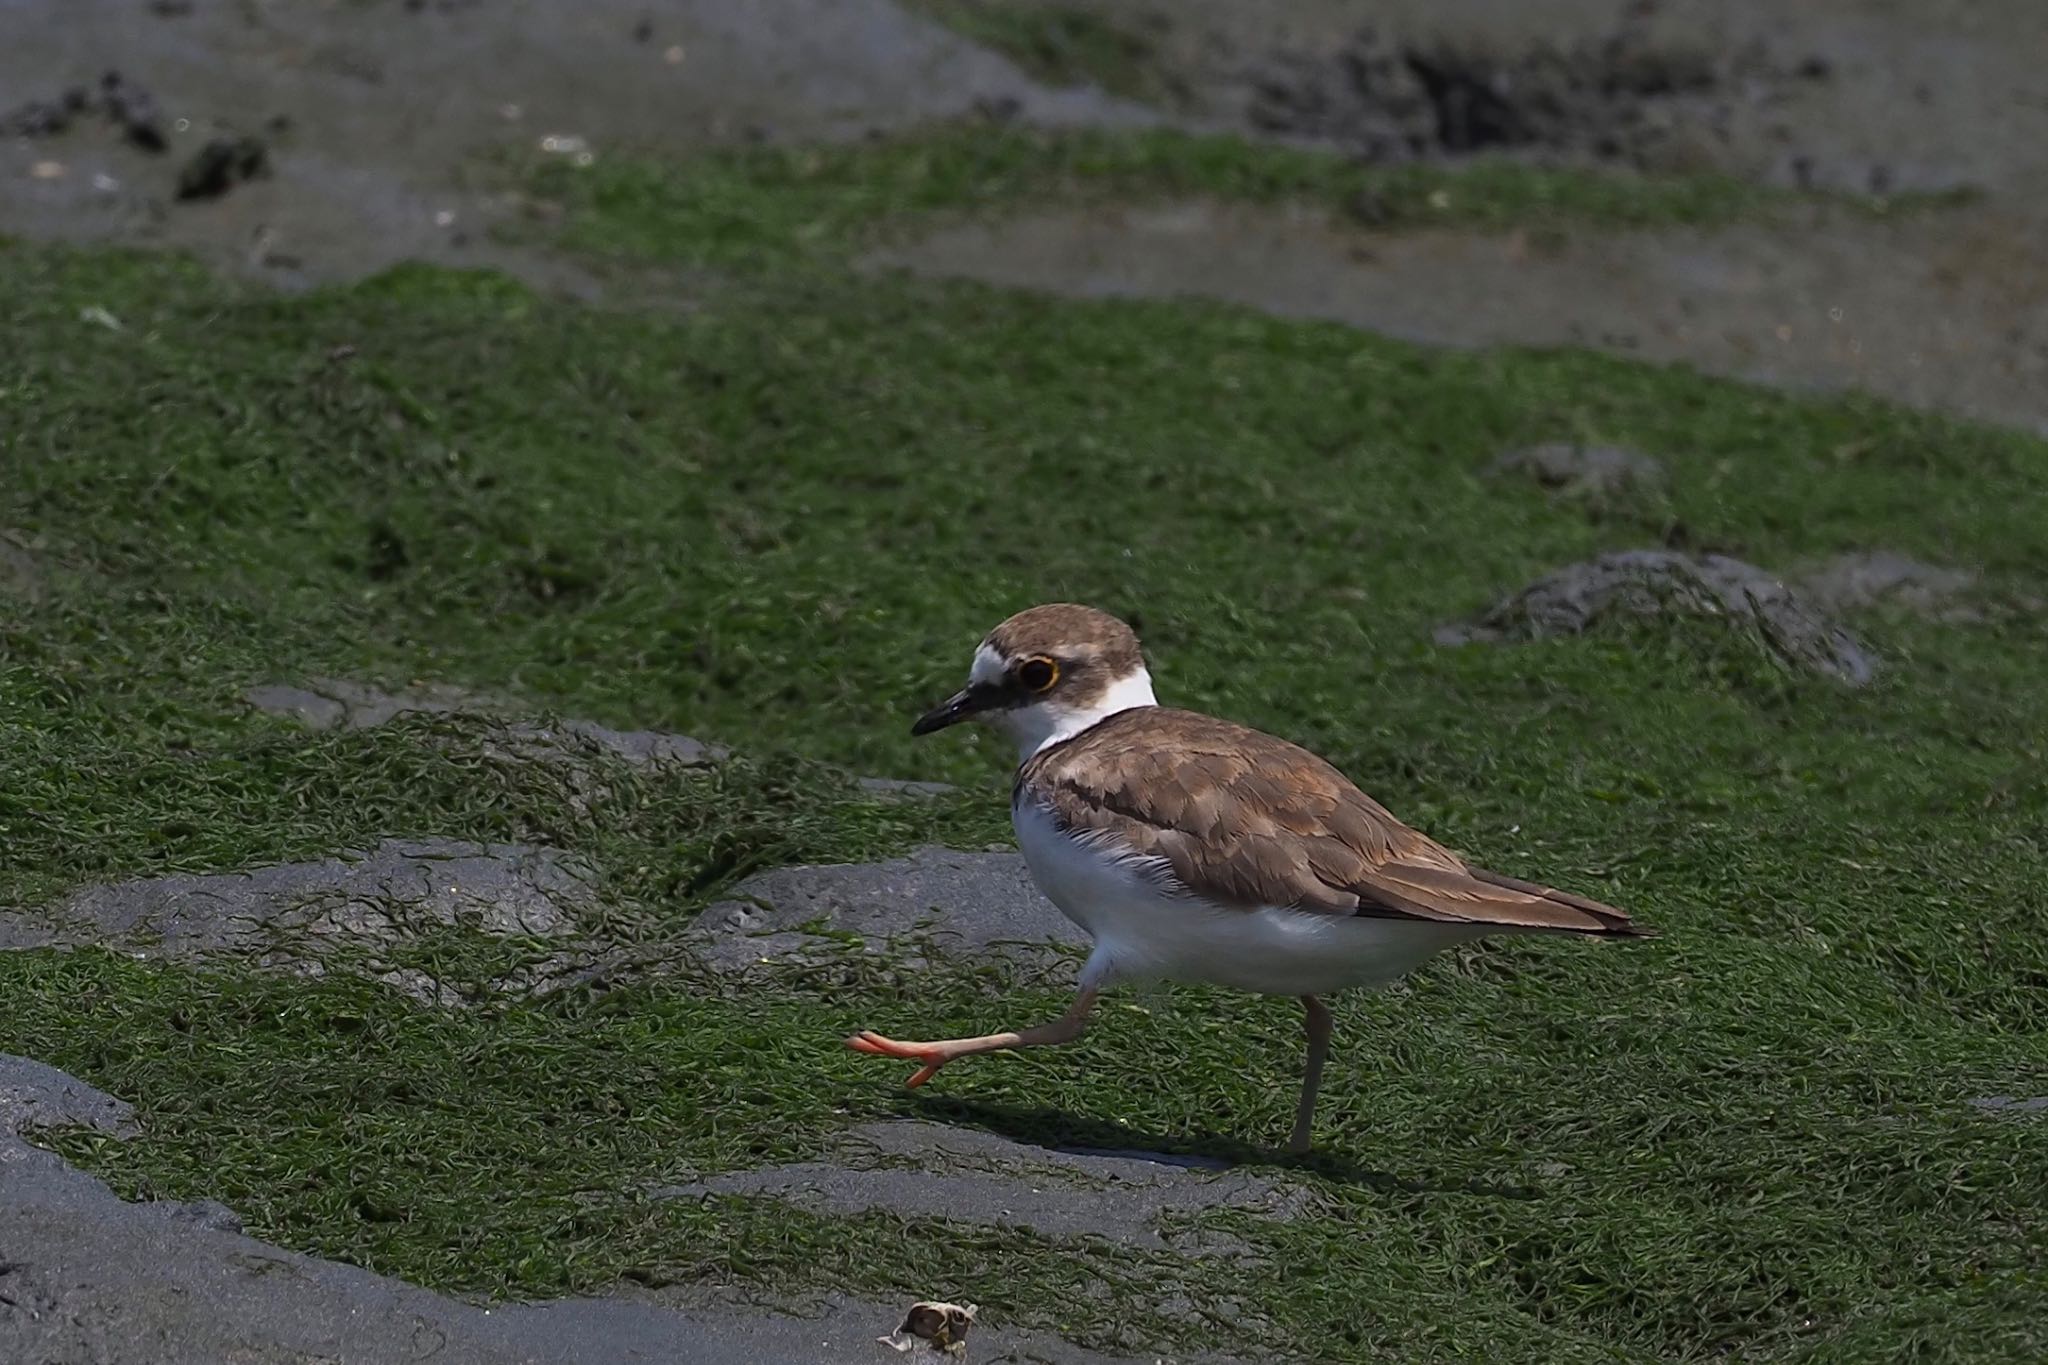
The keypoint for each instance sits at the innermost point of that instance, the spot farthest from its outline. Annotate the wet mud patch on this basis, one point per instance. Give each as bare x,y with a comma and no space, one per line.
358,912
936,904
337,703
1839,94
1644,585
1942,310
322,704
375,121
89,1276
1626,96
927,1170
33,1095
1882,579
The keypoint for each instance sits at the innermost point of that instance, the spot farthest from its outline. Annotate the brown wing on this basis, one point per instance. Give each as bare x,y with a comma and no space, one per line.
1246,819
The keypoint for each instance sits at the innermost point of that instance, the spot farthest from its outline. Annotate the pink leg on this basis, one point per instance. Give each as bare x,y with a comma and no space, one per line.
934,1055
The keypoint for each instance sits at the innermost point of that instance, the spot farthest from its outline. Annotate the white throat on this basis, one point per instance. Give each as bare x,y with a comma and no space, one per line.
1049,722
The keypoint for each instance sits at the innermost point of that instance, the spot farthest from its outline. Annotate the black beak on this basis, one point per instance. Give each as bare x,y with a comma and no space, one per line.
968,701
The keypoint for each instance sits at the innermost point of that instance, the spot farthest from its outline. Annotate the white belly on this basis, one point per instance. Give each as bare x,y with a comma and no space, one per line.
1142,931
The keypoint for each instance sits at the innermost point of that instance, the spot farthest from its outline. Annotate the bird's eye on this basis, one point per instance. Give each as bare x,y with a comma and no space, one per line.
1039,674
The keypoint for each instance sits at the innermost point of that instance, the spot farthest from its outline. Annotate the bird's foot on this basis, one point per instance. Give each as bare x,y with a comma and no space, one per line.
930,1056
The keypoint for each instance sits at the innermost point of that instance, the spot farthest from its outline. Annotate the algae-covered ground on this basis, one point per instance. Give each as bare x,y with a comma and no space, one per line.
774,505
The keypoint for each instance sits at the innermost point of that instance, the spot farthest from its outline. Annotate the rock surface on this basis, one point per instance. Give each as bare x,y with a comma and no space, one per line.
928,1170
1881,578
337,703
33,1095
307,916
1648,583
375,897
88,1277
900,788
962,905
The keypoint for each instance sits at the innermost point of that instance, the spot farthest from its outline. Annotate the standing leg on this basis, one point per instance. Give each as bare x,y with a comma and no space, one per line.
934,1055
1320,1024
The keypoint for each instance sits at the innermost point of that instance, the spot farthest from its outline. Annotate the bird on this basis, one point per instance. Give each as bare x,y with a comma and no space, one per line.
1195,849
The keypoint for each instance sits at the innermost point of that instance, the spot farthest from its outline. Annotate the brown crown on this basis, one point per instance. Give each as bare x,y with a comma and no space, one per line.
1067,630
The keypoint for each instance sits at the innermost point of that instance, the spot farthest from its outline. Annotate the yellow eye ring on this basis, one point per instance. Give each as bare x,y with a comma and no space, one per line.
1038,674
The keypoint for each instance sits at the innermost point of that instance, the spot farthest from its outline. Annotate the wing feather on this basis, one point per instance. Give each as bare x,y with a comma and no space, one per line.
1247,819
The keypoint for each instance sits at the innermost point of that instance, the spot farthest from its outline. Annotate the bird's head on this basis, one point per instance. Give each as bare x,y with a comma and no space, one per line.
1047,673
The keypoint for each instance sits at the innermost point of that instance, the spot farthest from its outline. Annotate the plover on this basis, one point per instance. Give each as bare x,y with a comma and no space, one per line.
1196,849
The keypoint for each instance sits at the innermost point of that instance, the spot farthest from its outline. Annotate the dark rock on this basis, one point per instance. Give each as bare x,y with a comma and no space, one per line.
1622,96
133,109
978,905
45,118
222,164
1369,98
928,1170
1604,470
2012,1104
1649,583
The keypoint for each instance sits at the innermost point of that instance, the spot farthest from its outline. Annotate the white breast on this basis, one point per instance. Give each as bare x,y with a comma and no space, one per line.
1144,928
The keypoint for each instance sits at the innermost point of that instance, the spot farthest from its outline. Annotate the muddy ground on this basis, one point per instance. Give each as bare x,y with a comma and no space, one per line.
323,140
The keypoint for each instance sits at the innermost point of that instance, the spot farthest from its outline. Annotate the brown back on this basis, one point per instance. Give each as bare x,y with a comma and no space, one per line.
1246,819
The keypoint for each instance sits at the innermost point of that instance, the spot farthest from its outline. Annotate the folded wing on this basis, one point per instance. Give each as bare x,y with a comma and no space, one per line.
1247,819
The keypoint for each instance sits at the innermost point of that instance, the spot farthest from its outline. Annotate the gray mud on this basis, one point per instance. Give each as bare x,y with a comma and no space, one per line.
87,1276
1593,471
373,116
336,703
1643,584
926,1170
1885,579
1623,96
1853,95
1946,310
350,911
977,906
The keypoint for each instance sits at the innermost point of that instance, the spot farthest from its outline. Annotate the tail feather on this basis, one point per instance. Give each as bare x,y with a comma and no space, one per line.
1608,922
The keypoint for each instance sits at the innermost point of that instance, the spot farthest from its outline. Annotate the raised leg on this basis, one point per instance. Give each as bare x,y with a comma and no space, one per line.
1320,1024
932,1056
